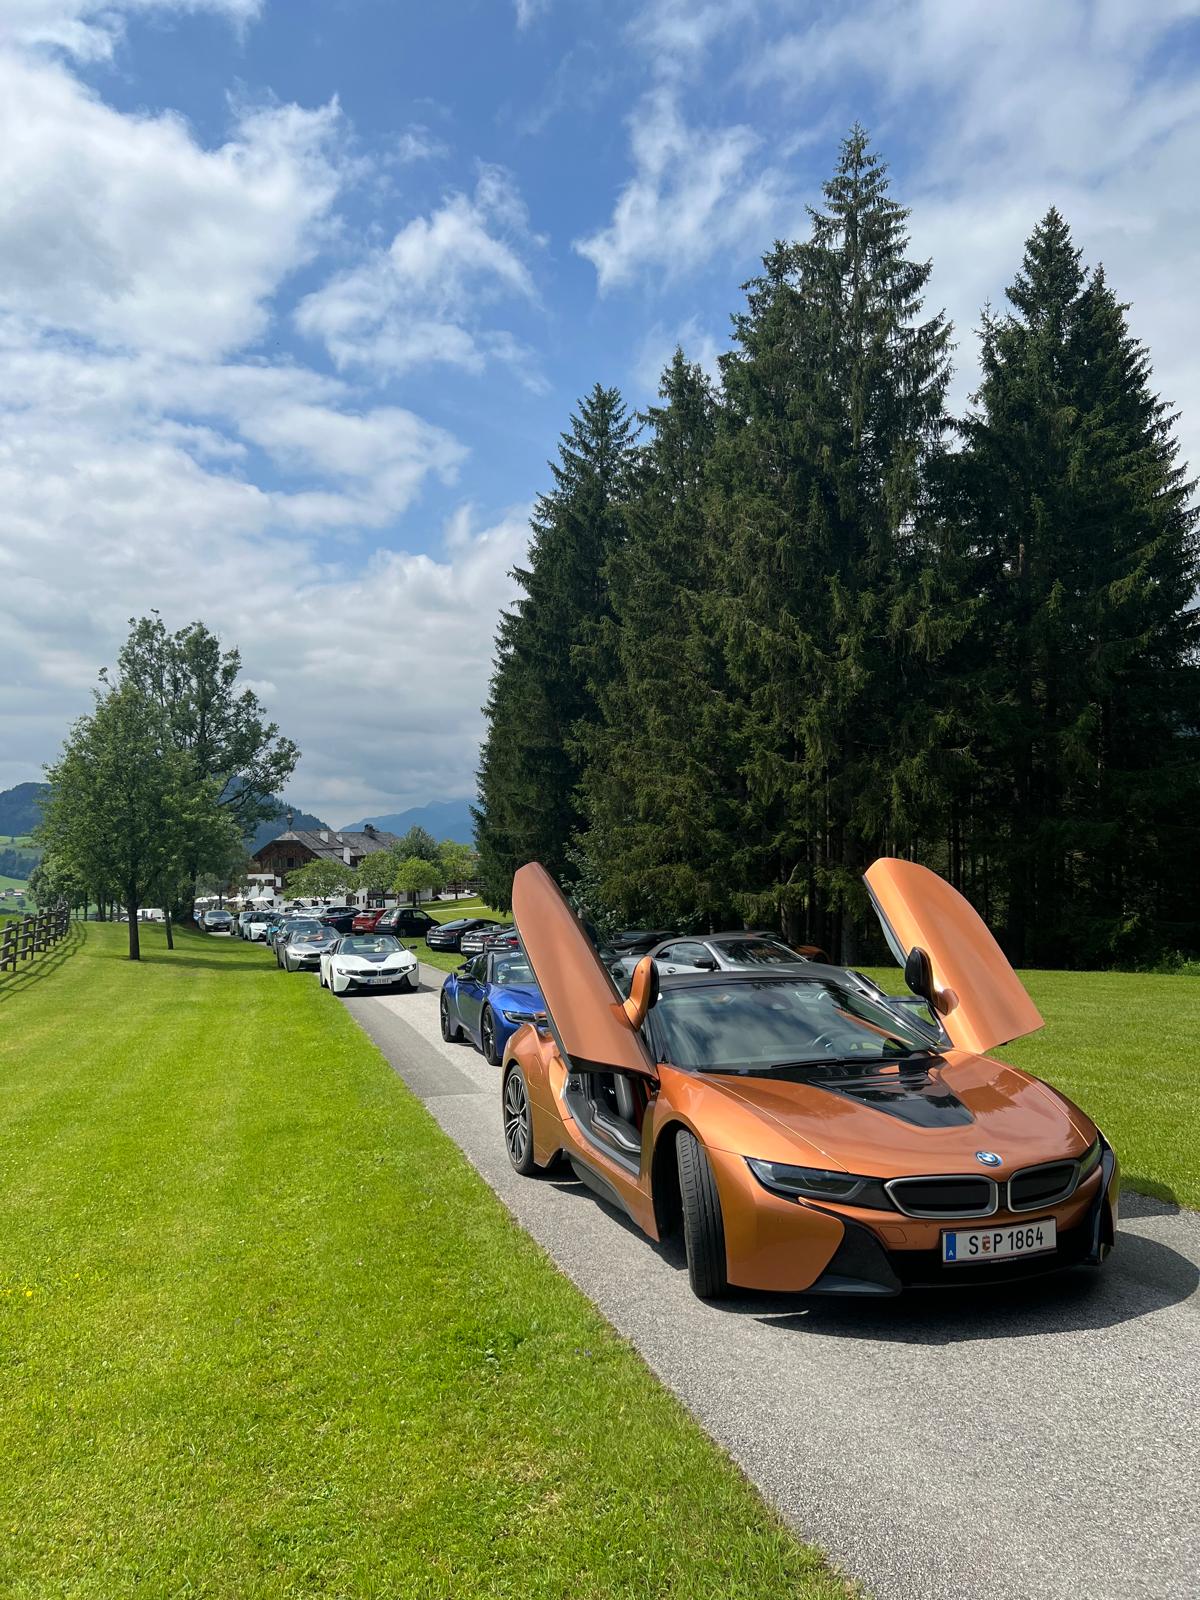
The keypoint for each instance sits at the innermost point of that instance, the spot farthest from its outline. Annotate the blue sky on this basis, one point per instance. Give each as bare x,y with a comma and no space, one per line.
296,295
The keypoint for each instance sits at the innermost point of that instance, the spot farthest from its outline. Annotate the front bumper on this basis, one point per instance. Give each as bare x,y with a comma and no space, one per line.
863,1266
370,980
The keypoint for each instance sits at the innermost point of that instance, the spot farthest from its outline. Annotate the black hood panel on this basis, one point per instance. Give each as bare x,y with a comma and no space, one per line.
915,1094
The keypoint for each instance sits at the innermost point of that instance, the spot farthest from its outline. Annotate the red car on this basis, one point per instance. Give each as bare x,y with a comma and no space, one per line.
365,921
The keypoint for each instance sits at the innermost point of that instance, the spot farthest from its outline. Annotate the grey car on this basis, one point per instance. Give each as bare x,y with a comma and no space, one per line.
739,951
217,922
300,948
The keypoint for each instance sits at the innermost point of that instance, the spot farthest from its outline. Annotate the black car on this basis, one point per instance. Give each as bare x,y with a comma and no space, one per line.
406,922
488,937
448,935
339,917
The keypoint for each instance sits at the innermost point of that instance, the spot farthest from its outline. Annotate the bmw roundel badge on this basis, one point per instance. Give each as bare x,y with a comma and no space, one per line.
989,1158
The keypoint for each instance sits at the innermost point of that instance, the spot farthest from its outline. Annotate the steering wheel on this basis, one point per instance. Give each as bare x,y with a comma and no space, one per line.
823,1041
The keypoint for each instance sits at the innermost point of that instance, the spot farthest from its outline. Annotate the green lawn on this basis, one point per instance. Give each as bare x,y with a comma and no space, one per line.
1123,1045
12,883
264,1333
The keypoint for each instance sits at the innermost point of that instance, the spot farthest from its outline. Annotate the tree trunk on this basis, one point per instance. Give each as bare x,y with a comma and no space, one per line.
170,930
135,942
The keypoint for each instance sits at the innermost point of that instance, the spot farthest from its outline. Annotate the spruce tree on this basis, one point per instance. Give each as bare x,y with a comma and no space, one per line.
830,605
656,789
542,698
1088,559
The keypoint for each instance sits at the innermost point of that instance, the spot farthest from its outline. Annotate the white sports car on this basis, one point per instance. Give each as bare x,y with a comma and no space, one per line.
368,961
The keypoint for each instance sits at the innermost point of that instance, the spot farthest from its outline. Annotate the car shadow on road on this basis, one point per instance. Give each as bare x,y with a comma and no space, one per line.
1142,1276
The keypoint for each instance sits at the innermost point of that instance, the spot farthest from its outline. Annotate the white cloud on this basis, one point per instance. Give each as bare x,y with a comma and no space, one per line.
695,192
124,229
149,458
89,29
675,35
417,301
1080,105
659,344
529,10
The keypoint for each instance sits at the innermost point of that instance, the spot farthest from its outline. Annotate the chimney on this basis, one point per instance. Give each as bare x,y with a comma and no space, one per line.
291,817
325,835
346,854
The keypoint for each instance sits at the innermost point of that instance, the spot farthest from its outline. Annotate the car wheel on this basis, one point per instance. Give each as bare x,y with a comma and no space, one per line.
487,1037
518,1122
703,1228
451,1031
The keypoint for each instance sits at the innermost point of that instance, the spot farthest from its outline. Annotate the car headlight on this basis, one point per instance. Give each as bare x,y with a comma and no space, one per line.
539,1017
1090,1159
816,1183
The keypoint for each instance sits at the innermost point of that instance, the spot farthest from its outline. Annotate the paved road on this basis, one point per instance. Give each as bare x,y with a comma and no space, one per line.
1041,1444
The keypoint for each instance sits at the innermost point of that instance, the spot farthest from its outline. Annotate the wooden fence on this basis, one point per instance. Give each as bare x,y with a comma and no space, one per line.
29,937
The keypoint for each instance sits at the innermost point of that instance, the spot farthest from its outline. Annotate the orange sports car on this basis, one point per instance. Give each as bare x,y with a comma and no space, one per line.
806,1131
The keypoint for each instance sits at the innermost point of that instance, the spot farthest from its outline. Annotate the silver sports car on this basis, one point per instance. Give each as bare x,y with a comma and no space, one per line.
740,951
303,944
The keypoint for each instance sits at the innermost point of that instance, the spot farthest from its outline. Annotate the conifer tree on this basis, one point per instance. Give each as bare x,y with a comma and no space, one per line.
542,697
1088,559
830,605
656,790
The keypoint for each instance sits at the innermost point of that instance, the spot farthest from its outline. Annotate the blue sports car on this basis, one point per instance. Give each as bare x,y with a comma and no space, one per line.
488,998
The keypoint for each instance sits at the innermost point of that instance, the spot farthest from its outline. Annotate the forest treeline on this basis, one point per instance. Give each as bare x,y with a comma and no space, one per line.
801,616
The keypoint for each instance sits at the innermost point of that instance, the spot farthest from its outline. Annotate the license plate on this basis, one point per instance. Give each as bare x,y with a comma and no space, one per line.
388,979
970,1246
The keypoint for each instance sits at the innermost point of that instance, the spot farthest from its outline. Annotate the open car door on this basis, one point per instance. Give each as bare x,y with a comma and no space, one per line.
587,1016
980,999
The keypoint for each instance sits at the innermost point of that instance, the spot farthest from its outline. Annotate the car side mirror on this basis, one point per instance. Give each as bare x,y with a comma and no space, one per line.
706,964
643,991
918,973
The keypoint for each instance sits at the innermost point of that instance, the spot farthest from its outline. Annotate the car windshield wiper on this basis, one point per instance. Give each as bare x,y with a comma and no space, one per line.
900,1056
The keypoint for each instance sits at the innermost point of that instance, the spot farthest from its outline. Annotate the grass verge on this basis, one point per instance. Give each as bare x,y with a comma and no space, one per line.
265,1334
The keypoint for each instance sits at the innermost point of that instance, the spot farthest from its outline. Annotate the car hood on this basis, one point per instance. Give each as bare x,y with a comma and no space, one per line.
932,1118
518,997
391,957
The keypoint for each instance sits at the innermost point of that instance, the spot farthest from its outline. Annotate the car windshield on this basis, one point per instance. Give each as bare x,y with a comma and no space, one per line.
756,952
300,925
739,1027
512,970
370,944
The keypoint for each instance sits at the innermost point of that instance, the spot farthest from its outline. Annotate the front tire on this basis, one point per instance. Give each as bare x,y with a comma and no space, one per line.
451,1031
487,1037
703,1226
518,1122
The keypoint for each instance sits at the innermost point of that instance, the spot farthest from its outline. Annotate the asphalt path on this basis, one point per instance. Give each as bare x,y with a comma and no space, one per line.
1030,1444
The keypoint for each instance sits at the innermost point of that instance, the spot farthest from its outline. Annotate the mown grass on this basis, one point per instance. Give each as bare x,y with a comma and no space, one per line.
1123,1046
265,1334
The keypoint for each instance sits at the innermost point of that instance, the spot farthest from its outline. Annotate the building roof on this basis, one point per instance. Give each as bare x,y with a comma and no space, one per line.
331,843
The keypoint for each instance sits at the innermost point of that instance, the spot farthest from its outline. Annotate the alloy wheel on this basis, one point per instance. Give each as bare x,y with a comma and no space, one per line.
487,1029
516,1119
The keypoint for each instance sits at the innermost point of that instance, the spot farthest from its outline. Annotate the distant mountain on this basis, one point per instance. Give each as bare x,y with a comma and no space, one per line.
21,808
21,811
445,819
275,825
